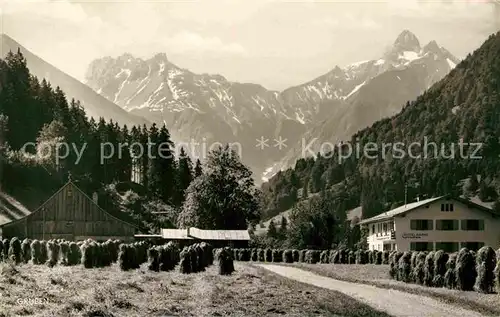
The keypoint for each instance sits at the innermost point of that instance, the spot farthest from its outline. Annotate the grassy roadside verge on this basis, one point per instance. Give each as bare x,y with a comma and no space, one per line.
377,275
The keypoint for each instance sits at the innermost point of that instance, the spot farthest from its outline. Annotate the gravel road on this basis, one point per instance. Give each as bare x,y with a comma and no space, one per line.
393,302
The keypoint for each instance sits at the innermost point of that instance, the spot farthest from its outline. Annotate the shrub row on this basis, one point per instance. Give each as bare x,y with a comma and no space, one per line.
61,252
342,256
464,270
163,257
195,258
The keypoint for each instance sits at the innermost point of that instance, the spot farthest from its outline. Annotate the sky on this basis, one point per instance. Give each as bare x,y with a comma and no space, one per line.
274,43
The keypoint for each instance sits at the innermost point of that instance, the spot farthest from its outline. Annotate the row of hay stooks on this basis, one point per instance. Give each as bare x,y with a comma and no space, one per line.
93,254
465,270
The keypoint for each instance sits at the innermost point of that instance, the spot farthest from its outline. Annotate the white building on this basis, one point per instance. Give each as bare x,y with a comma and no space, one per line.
441,223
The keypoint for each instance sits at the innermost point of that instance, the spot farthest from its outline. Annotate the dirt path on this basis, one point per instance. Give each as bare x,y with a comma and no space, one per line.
395,303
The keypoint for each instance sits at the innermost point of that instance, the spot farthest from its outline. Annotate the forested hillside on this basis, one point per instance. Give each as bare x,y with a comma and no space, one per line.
37,121
465,106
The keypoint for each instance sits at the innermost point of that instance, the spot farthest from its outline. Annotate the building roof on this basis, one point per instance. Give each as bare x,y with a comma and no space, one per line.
195,233
219,234
70,183
175,234
412,206
400,210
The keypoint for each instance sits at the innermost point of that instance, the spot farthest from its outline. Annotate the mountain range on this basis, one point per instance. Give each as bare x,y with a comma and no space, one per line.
210,108
94,104
203,109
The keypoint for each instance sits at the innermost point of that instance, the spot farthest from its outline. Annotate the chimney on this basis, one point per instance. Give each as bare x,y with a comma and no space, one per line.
95,197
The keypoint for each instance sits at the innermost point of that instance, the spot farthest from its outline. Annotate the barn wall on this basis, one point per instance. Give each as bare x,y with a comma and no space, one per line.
70,215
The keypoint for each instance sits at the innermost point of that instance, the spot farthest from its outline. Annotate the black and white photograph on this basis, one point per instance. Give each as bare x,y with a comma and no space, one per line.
249,158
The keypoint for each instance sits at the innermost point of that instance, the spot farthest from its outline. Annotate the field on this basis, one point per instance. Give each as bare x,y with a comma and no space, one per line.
377,275
37,290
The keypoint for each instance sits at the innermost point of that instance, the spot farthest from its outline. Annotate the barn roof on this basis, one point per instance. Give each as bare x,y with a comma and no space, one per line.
175,234
219,234
195,233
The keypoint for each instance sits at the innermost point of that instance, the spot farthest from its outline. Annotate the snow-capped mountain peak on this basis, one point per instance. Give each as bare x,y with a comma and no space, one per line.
407,41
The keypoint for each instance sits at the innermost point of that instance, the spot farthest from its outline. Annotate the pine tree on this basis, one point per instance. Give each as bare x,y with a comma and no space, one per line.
272,232
185,174
198,170
154,174
283,227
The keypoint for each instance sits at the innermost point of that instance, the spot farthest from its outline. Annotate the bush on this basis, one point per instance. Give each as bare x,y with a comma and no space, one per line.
64,258
295,255
244,255
226,265
43,252
385,257
86,251
351,258
125,257
5,243
53,253
404,267
26,250
288,256
312,256
440,259
254,255
14,251
324,256
393,264
74,254
418,271
185,264
344,256
429,269
261,255
277,255
302,256
336,257
269,255
378,257
485,267
371,256
36,252
360,257
153,259
465,270
450,279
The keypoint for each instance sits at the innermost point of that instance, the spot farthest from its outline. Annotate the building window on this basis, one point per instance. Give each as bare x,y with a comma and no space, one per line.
473,224
373,229
421,246
447,207
448,247
385,227
446,225
474,246
421,224
391,226
387,247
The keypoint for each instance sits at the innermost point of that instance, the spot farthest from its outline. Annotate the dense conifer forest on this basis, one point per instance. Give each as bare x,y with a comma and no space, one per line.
37,120
464,108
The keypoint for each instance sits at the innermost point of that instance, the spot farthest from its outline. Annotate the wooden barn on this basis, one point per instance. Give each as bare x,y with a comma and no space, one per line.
71,215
